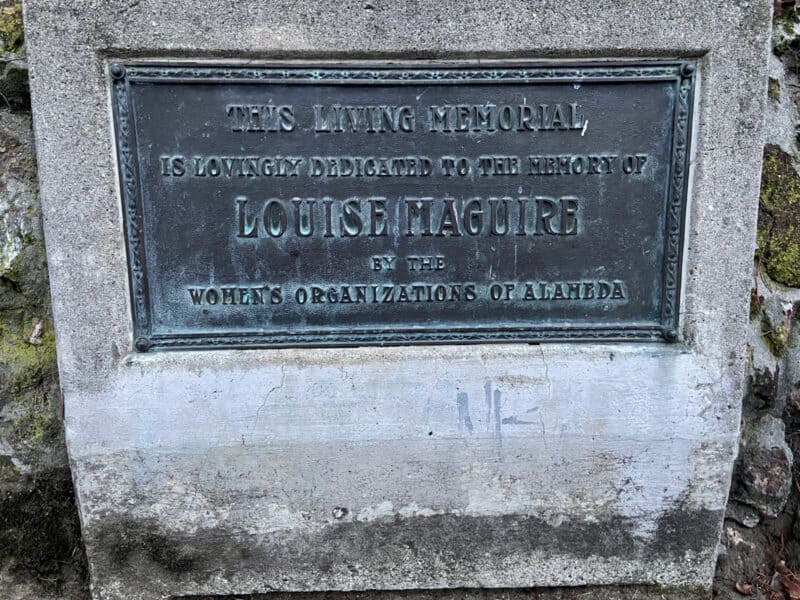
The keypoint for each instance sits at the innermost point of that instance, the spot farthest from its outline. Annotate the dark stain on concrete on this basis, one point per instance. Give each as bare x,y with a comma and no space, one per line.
393,548
611,592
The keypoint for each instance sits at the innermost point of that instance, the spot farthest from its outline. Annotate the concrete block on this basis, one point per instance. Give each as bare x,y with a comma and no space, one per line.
473,466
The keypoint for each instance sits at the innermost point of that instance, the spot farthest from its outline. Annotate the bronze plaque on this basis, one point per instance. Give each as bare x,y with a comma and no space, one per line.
302,205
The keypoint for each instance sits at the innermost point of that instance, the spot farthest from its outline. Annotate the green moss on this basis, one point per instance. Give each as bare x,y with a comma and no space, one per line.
11,31
38,423
779,218
28,371
29,362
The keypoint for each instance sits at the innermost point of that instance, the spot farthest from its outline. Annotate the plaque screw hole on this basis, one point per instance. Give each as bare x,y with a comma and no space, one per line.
142,344
687,69
671,335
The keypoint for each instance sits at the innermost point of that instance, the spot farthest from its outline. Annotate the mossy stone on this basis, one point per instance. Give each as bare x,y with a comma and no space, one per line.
779,218
11,31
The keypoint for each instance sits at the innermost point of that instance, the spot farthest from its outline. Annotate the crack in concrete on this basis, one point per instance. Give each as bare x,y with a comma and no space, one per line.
271,391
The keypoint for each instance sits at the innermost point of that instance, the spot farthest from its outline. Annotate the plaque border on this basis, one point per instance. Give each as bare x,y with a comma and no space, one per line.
682,72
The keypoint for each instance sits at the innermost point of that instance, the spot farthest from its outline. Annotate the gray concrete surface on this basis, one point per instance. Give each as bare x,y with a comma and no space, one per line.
240,472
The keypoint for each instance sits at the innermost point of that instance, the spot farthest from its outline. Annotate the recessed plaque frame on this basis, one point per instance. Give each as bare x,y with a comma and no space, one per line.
157,327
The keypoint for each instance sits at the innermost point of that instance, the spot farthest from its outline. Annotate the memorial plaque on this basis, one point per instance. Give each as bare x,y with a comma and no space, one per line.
347,205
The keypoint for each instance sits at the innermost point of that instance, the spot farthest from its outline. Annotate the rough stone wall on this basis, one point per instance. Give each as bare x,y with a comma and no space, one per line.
40,550
760,548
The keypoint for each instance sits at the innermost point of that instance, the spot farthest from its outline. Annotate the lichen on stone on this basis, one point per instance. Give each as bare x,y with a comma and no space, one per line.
28,372
775,336
779,218
32,372
11,31
40,545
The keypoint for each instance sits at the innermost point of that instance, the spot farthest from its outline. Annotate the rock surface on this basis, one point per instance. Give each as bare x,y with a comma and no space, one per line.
761,532
765,466
41,555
